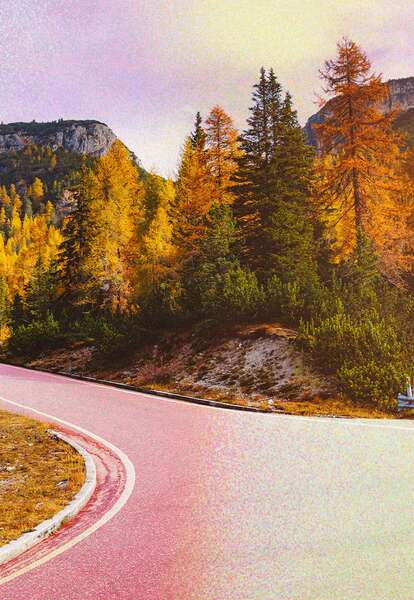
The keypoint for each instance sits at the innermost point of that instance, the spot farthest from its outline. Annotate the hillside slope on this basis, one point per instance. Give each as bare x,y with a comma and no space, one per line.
255,365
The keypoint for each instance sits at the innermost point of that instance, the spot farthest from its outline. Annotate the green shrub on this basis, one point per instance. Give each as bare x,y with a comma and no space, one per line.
242,296
284,300
365,353
109,340
340,338
372,383
223,291
35,337
114,338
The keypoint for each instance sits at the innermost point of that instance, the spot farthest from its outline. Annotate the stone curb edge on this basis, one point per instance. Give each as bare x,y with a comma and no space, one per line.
143,390
44,529
169,395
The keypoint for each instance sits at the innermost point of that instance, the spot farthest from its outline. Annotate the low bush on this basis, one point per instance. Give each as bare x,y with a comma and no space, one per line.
37,336
115,338
242,295
284,300
224,291
372,383
364,352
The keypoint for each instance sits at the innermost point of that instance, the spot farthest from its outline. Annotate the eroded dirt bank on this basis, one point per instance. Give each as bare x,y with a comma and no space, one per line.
255,365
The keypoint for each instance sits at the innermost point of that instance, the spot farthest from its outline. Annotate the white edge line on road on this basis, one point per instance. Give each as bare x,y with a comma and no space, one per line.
45,528
126,492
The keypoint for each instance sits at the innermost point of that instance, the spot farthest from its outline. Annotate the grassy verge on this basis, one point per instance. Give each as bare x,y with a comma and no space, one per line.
39,475
316,406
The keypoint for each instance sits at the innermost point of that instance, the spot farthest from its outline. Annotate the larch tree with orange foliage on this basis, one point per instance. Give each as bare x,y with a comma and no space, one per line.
222,150
362,181
195,194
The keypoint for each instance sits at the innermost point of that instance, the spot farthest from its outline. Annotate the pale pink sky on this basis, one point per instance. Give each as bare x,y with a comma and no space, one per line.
145,66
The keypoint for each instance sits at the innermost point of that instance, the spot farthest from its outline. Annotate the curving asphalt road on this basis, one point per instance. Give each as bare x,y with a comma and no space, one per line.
227,505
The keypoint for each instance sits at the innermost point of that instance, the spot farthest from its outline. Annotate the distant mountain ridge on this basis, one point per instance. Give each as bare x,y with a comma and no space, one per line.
89,137
400,95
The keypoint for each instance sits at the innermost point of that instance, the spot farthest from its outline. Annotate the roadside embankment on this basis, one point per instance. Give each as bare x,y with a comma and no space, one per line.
256,365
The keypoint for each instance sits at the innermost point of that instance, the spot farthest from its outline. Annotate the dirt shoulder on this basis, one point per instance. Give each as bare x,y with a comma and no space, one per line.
39,475
256,365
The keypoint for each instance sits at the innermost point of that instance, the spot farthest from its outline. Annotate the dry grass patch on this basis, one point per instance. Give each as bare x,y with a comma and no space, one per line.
337,406
39,475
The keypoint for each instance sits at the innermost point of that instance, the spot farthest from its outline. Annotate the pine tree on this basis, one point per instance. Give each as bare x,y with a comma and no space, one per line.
4,303
78,232
203,283
40,292
275,105
273,186
18,312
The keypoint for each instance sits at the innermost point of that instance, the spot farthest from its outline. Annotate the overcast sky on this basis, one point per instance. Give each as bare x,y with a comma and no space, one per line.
145,67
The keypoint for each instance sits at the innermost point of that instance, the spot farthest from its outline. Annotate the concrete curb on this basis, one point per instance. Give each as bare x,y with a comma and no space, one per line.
148,391
173,395
44,529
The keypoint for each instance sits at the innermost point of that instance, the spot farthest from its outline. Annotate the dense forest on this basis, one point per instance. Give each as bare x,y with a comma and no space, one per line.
256,227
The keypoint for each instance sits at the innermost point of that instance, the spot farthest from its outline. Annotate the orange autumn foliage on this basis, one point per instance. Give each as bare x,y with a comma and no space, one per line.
222,150
362,183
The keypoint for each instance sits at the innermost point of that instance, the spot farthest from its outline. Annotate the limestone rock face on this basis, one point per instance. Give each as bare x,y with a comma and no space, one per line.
401,95
82,137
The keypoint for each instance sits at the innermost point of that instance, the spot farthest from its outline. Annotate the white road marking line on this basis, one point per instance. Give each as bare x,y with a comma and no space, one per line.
126,492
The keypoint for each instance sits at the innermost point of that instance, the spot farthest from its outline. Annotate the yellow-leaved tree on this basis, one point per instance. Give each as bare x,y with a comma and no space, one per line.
116,204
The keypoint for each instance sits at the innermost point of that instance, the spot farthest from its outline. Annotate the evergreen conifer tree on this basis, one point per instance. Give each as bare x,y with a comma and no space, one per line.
289,228
78,231
198,136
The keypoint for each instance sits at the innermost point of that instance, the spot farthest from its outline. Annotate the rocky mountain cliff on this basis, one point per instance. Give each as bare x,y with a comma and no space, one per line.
81,137
401,95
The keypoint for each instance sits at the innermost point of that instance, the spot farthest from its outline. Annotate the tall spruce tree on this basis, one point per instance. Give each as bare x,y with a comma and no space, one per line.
274,152
78,232
289,229
274,93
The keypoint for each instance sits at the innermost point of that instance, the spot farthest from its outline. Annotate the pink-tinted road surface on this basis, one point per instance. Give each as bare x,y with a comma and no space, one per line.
198,503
